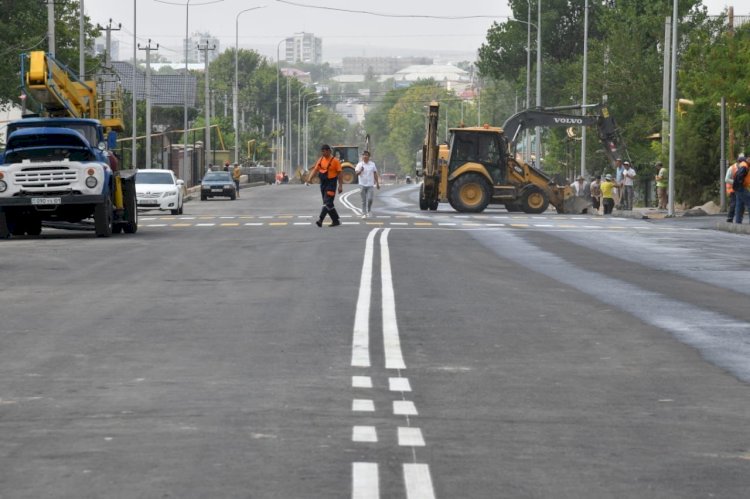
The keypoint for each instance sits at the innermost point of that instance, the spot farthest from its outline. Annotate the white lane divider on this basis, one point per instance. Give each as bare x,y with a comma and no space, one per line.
365,482
361,338
391,341
418,481
345,201
365,475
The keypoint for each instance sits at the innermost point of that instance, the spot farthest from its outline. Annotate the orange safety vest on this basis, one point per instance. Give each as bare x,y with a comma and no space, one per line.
730,189
746,181
332,167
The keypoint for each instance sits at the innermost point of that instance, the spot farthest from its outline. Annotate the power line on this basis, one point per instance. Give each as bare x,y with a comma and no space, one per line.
382,14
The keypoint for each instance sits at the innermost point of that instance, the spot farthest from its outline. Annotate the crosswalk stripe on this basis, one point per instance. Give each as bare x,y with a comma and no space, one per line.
418,481
365,481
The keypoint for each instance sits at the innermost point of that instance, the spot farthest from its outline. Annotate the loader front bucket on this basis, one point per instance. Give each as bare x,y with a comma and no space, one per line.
575,205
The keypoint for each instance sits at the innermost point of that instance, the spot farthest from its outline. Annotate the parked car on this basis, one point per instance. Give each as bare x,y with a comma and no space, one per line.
159,190
218,184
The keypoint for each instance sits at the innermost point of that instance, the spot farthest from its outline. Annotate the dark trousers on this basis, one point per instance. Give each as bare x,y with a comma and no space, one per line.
608,204
730,212
328,192
742,204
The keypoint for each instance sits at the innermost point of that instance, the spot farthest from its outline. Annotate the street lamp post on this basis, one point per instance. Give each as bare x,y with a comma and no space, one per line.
235,90
539,79
278,100
303,150
185,82
585,82
307,129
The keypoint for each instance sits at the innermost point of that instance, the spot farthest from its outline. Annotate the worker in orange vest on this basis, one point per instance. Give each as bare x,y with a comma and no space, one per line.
728,179
741,187
328,169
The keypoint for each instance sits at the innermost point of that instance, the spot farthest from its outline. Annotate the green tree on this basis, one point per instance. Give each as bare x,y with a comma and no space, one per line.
23,28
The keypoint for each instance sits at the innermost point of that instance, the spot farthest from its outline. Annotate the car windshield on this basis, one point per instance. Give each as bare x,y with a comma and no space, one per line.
153,178
218,177
88,130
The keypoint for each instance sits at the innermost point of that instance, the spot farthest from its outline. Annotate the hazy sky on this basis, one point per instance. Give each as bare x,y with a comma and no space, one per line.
356,33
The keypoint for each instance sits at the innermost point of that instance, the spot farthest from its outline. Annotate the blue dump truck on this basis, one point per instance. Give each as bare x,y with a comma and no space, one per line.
58,169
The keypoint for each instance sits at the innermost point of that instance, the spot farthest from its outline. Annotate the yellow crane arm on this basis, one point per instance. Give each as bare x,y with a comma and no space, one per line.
57,89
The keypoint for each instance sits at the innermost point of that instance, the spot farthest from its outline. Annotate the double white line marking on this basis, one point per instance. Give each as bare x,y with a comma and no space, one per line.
361,340
365,475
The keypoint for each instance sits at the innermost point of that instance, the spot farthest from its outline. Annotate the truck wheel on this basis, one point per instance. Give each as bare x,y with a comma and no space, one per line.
103,218
4,231
130,215
17,226
470,193
534,200
423,203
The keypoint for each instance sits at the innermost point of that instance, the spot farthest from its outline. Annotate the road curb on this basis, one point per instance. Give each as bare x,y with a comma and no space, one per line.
733,227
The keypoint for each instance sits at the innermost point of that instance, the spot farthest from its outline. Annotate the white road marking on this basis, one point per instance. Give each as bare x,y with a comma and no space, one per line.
361,335
443,224
187,218
205,225
418,482
399,223
156,225
391,342
361,382
302,223
410,437
399,384
364,434
365,484
404,408
363,405
253,224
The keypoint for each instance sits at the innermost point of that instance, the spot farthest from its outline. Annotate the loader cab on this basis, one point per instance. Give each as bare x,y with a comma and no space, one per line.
484,146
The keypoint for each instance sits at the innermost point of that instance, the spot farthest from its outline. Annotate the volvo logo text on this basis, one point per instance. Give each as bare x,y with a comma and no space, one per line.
569,121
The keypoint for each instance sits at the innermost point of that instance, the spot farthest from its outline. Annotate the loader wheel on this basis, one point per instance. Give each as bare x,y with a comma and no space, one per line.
470,193
423,203
348,176
534,200
103,218
434,205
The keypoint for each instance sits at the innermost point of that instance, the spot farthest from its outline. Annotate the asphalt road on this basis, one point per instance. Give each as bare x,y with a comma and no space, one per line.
239,351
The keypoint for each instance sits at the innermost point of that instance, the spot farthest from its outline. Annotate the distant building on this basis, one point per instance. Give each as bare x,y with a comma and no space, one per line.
447,76
195,55
298,74
380,65
304,47
100,46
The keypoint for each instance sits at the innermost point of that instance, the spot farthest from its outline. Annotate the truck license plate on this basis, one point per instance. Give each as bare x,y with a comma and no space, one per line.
216,190
45,201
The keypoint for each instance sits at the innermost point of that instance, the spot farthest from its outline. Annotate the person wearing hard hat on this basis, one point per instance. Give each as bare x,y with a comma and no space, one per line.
608,200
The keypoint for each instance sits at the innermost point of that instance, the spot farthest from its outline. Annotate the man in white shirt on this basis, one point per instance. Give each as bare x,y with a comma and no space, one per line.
368,178
628,175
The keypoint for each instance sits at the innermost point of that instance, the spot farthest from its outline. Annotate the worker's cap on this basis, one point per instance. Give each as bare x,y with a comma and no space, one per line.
325,147
581,177
618,159
608,177
626,163
741,157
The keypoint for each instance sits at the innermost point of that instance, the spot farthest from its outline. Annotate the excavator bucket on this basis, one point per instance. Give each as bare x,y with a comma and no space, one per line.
575,205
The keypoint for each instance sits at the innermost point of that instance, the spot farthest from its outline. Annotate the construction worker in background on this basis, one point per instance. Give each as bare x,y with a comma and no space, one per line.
662,182
741,187
328,169
608,187
236,174
728,180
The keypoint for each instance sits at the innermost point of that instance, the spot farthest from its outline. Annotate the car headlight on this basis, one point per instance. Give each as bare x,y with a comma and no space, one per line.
169,193
91,182
3,186
229,186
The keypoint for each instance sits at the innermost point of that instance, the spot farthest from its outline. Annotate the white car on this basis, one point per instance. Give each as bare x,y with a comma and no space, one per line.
159,190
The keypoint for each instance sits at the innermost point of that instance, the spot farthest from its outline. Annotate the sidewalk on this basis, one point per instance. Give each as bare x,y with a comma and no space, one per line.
657,214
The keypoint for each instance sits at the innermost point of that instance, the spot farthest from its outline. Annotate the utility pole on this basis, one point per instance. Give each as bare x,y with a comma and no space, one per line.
81,44
585,82
205,48
135,73
672,112
665,87
108,47
148,48
51,27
